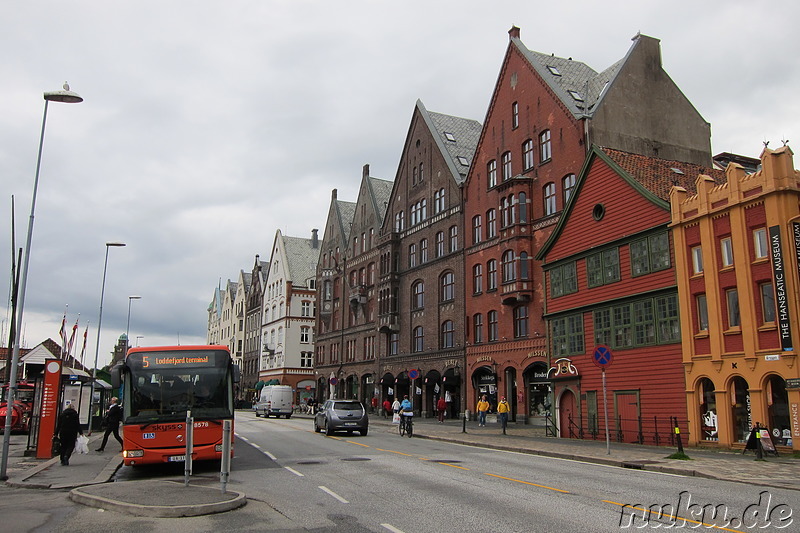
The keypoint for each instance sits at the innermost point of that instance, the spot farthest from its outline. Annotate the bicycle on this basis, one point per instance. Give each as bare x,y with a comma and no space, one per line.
406,425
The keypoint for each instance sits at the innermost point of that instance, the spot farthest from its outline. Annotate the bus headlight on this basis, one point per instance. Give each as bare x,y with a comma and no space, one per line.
218,448
133,453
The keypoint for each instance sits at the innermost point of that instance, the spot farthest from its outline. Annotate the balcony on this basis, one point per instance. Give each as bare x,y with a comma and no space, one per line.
517,292
389,323
358,295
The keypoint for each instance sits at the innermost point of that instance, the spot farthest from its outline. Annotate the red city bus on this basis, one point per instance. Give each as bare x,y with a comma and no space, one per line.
160,384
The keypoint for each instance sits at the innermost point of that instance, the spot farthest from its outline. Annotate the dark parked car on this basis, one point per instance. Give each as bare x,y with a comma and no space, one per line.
342,415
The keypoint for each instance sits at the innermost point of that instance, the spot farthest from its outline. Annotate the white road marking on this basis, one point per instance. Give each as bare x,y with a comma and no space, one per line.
265,452
293,471
393,529
329,491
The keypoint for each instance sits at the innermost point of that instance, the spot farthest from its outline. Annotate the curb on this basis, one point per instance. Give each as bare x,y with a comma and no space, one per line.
237,500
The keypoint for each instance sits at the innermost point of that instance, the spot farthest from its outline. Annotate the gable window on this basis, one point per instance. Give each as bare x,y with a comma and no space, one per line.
453,238
491,274
414,176
568,187
506,166
545,151
477,278
527,154
760,243
438,201
726,252
476,229
491,223
491,173
563,280
492,319
509,266
418,339
650,254
603,267
514,115
448,334
549,199
421,171
440,244
448,287
477,328
418,295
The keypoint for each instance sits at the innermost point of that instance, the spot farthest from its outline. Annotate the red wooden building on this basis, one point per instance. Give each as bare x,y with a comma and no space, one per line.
611,281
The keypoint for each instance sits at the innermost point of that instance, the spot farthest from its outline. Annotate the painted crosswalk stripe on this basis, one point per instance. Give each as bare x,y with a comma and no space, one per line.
329,491
293,471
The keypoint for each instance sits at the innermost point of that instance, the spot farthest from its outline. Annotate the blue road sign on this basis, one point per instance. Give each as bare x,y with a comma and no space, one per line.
413,374
602,356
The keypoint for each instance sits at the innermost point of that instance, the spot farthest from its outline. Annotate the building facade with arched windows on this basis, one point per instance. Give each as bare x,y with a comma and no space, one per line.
737,247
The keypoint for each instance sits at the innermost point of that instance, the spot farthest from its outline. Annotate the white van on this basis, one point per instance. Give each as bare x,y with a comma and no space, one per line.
275,400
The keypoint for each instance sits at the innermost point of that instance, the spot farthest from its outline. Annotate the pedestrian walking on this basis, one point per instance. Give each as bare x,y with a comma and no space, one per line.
68,428
441,407
396,406
482,408
502,411
387,408
111,421
374,403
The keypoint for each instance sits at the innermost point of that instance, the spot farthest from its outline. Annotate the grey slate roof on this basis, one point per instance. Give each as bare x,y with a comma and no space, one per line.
346,212
381,191
574,76
302,259
465,134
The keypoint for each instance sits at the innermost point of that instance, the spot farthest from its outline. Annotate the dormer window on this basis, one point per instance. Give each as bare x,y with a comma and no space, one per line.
449,136
553,70
576,96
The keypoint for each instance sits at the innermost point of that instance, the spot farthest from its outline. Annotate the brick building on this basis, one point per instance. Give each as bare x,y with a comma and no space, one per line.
544,114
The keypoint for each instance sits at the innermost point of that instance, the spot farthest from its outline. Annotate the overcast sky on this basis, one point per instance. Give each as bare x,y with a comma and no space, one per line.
208,125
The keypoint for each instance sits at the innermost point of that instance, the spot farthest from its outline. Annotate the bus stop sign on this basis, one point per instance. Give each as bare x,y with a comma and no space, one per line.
602,356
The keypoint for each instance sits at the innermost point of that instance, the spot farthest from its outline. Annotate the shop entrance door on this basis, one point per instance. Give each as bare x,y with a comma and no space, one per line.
627,415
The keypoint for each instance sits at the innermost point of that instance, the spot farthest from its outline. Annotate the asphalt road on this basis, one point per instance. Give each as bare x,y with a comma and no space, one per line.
298,480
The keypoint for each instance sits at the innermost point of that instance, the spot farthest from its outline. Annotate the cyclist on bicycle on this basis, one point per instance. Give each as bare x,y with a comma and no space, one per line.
406,412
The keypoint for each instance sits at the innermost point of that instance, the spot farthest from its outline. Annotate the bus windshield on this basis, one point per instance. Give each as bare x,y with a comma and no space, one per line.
164,385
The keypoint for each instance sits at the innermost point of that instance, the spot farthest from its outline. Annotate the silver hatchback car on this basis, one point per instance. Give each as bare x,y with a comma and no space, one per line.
342,415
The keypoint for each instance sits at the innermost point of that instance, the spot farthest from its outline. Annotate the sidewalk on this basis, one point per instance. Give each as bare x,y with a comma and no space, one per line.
730,465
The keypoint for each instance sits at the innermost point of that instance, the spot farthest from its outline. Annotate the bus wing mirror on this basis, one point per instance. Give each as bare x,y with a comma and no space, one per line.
116,376
237,374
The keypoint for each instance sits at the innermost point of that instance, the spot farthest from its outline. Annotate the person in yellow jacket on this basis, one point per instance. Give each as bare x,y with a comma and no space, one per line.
502,411
482,409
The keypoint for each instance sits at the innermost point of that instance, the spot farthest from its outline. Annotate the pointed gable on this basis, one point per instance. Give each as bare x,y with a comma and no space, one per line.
619,194
301,257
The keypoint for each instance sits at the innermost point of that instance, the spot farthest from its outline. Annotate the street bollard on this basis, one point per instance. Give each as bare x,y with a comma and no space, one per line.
678,436
225,463
464,426
187,470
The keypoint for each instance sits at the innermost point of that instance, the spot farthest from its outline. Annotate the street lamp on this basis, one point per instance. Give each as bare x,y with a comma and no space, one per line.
128,328
68,97
99,324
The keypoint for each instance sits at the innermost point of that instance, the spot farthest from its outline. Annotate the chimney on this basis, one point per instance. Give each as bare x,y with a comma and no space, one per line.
365,171
513,33
333,194
314,238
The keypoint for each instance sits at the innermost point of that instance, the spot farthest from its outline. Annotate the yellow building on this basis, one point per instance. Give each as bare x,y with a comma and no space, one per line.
736,255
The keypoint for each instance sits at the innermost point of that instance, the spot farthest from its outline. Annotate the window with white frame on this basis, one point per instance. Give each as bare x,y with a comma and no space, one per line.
491,274
305,308
440,244
549,199
545,151
438,201
761,250
305,334
491,173
509,266
448,334
306,359
453,238
732,299
476,229
568,187
477,328
726,252
491,223
417,339
506,158
412,255
448,287
477,278
423,251
492,323
697,259
702,312
514,115
527,154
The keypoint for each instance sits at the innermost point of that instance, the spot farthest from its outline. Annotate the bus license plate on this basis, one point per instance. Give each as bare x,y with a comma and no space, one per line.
351,423
176,458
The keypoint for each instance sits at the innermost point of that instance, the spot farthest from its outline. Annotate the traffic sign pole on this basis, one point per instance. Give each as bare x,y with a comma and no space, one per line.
605,413
603,357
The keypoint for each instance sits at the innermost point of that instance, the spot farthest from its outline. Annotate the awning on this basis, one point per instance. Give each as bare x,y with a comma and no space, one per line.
260,385
103,384
68,371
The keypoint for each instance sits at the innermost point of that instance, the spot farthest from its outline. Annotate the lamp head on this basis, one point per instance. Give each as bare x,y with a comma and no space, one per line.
134,297
66,96
115,244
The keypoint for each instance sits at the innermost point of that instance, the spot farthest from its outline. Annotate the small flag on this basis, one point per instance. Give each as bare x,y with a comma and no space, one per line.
72,337
83,350
63,334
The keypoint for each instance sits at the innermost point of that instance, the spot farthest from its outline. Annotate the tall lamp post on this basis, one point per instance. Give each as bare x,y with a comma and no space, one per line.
128,327
99,324
68,97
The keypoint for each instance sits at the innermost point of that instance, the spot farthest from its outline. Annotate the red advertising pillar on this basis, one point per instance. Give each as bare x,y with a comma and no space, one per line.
50,408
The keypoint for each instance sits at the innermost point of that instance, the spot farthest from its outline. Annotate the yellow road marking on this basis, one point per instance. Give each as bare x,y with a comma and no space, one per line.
454,466
526,483
675,517
354,442
392,451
